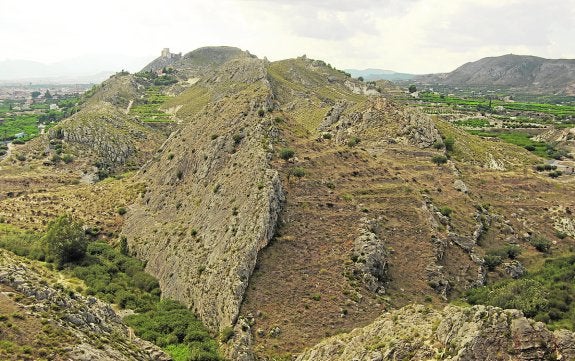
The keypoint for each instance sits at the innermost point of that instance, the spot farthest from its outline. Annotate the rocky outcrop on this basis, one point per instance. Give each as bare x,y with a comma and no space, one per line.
371,258
454,333
106,135
212,201
98,332
384,122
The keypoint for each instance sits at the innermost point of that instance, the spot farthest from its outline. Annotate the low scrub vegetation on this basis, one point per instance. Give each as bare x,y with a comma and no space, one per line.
546,294
113,276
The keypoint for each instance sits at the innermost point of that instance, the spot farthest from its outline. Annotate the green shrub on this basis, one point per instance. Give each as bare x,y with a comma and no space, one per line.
226,334
122,210
353,141
326,135
286,153
512,251
67,158
65,240
491,261
446,211
261,112
541,244
525,294
449,143
438,145
297,172
439,159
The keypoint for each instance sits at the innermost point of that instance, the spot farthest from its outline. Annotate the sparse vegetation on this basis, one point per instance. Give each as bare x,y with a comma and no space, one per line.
286,153
353,141
541,244
439,159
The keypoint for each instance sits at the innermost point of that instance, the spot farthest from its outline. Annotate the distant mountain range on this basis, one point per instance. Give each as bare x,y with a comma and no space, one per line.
82,69
518,71
379,74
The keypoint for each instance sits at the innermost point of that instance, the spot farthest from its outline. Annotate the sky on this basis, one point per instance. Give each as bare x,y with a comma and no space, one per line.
413,36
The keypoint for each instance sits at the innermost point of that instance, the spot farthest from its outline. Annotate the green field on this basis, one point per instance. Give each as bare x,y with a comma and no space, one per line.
522,139
558,111
148,109
14,122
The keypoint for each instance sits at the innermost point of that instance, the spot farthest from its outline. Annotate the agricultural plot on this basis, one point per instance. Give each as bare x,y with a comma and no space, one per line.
148,108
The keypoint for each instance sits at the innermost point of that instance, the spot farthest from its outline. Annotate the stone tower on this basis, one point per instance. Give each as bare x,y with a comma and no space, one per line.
166,53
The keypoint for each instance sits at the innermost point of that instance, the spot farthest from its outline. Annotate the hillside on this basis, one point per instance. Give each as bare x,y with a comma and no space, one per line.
531,73
42,318
285,202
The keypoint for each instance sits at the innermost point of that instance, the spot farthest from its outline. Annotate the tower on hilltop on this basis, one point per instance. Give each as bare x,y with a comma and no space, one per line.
166,53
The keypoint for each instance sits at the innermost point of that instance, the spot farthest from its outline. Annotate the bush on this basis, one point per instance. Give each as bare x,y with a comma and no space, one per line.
297,172
541,244
67,158
446,211
226,334
438,145
122,210
512,251
491,261
286,153
353,141
439,159
65,240
449,143
526,295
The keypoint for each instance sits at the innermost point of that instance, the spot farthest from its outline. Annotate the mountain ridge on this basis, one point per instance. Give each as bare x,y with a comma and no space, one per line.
285,201
527,72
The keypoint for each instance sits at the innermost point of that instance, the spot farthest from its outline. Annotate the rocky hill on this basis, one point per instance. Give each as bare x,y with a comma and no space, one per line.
43,318
420,333
518,71
285,202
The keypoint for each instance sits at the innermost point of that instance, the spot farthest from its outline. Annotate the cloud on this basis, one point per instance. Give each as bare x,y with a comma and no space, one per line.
403,35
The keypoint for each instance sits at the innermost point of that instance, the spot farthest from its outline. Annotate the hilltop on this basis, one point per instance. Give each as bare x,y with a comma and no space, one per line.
530,73
285,202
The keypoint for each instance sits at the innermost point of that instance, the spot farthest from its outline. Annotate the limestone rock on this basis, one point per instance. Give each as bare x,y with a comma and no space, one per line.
371,258
454,333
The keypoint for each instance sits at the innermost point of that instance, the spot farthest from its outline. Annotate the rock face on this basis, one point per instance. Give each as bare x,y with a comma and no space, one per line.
105,134
455,333
371,258
92,327
383,122
212,200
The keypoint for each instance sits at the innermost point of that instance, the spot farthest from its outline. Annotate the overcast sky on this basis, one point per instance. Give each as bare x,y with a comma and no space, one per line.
416,36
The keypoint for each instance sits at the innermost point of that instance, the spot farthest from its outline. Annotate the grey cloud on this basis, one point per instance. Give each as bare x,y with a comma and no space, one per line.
526,23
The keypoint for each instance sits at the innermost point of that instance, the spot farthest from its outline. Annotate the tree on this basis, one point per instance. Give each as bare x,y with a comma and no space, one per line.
65,240
360,78
35,94
412,88
47,95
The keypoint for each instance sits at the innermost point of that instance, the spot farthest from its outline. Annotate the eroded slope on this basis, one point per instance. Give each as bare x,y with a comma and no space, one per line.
212,199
